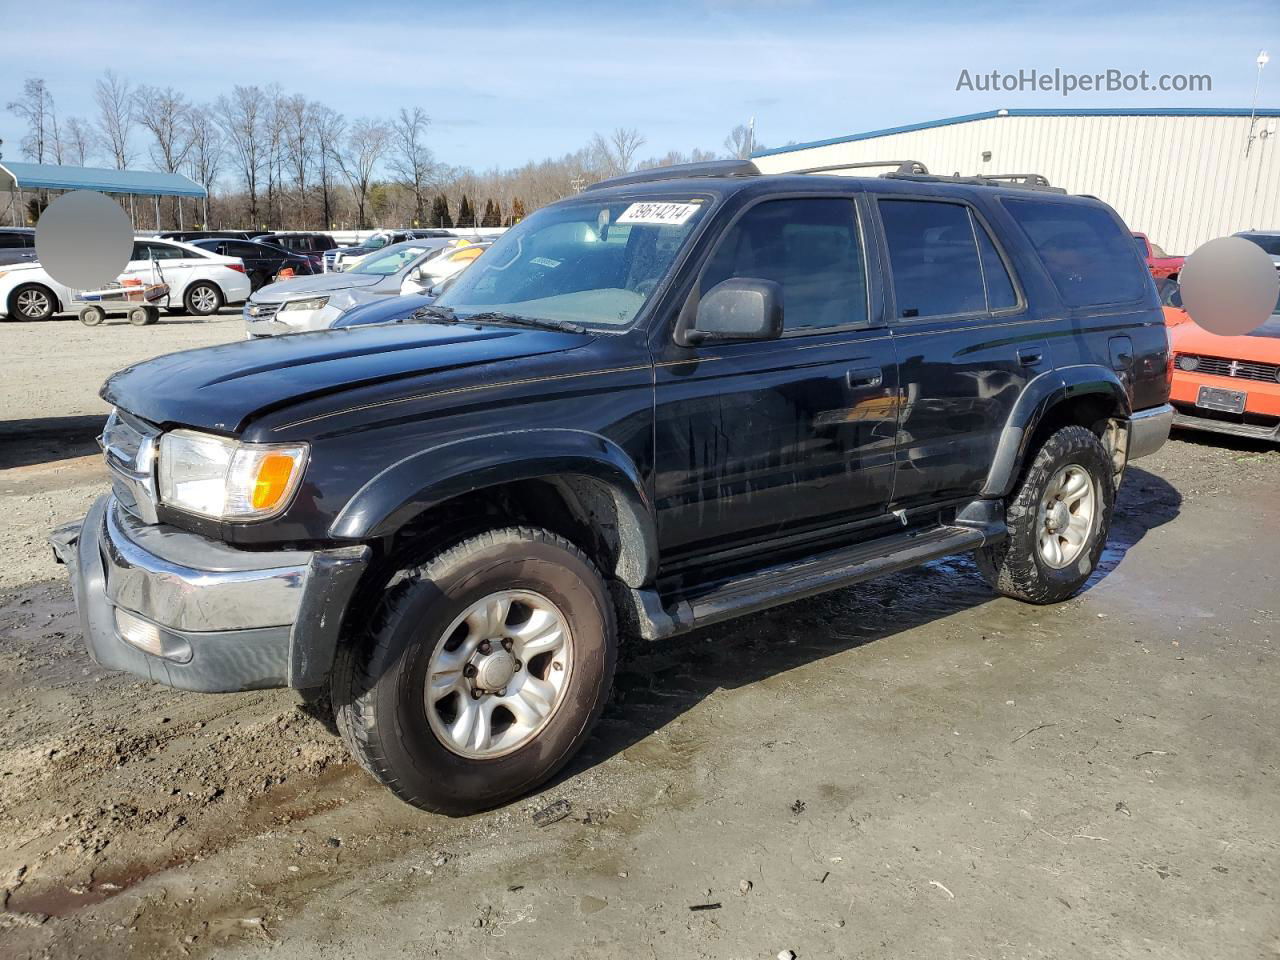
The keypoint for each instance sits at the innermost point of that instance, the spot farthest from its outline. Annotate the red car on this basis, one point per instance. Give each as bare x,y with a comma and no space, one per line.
1158,262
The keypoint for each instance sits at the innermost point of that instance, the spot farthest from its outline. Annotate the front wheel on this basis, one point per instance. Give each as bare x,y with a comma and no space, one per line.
482,672
1058,521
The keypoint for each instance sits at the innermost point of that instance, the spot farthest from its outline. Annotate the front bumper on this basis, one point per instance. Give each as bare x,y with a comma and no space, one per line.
226,619
1148,430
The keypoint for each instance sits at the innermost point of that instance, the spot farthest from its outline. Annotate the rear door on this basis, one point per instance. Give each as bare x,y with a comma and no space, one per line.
757,439
967,344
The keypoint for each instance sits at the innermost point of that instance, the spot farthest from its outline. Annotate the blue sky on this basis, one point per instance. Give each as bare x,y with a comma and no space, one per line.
507,82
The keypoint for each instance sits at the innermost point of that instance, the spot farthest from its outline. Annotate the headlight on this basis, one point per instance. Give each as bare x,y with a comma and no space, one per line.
226,480
311,303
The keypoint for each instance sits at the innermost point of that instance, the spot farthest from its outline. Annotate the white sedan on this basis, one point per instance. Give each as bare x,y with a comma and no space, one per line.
199,281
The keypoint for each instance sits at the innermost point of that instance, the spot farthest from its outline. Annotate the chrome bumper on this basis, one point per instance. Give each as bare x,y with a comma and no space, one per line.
1148,430
213,618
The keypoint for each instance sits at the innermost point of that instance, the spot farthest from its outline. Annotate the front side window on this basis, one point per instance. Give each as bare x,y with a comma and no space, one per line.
1089,257
591,262
810,247
933,255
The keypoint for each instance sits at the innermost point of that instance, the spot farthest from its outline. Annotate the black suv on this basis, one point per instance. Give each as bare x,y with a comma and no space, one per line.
676,398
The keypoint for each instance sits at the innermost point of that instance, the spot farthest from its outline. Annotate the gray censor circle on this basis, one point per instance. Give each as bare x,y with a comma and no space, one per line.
84,240
1229,286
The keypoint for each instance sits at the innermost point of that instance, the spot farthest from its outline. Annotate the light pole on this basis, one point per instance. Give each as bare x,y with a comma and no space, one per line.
1262,61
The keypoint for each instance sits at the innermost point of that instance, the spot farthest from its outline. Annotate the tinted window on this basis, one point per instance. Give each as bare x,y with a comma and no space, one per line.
157,251
13,241
1089,257
808,246
934,258
239,248
1000,291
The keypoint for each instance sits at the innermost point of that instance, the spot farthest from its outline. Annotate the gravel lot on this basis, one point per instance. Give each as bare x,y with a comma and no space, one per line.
908,768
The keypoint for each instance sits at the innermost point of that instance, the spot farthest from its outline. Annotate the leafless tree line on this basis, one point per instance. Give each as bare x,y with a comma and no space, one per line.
283,161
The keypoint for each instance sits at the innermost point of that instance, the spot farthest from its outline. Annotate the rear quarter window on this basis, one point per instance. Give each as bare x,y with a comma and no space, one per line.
1090,258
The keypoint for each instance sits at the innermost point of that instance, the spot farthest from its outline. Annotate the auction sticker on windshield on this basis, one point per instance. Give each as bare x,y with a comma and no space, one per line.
664,214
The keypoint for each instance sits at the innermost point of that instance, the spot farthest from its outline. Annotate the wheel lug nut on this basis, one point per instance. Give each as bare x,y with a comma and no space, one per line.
507,644
502,693
469,670
485,646
518,665
475,694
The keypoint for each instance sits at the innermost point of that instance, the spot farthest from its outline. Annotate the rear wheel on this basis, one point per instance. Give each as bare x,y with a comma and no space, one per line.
203,299
482,671
33,302
1058,521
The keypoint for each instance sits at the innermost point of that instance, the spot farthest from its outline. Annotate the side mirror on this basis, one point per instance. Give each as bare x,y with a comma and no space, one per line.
741,308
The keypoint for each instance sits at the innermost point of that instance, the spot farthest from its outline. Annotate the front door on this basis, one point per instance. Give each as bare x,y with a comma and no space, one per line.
757,439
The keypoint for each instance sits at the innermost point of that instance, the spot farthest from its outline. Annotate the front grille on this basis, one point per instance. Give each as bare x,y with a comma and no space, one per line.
260,312
1239,369
129,446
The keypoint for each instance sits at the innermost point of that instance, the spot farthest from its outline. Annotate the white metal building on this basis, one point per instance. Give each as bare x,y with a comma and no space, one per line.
1180,176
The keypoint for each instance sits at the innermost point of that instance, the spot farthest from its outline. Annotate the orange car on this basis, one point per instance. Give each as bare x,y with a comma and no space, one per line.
1225,384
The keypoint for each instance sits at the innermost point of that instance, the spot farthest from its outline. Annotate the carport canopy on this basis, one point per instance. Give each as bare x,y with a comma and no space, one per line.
16,177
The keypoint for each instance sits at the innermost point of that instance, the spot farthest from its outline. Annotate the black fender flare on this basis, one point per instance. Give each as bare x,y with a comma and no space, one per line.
430,477
1041,395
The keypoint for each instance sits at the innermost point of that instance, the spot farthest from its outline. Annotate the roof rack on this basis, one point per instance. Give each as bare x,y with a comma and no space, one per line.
678,171
1026,181
903,167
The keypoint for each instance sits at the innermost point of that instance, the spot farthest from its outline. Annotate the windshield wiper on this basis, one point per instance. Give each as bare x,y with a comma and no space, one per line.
516,319
434,313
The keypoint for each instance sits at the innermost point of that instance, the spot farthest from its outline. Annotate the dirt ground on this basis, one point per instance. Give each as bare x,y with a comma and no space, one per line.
911,768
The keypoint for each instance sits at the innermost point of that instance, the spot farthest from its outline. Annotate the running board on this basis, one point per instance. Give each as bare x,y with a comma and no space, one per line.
799,579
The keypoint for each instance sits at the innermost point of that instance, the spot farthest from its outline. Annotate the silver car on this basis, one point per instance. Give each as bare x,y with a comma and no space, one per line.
314,303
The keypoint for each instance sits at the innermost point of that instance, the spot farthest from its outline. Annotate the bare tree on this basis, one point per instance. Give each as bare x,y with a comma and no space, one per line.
330,130
741,142
77,140
616,152
166,115
242,118
297,119
35,108
115,117
207,152
365,144
411,159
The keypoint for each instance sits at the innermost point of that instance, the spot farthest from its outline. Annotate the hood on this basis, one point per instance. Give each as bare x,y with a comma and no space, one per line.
1260,346
320,283
222,388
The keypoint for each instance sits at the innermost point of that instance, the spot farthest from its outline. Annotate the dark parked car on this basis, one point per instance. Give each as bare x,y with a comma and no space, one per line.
17,245
262,261
308,244
675,398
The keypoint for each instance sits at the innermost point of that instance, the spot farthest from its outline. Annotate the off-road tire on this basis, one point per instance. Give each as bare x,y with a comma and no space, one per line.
377,684
1015,567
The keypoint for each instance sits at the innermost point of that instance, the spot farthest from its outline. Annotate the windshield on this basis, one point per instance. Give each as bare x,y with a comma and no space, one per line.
1269,243
389,261
376,242
589,262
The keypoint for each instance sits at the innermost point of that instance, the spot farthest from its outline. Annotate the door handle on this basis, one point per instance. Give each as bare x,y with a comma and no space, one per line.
1029,358
865,377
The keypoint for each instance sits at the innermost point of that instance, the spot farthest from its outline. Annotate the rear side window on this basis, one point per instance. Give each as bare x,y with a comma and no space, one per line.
1089,258
934,258
809,246
1000,292
14,241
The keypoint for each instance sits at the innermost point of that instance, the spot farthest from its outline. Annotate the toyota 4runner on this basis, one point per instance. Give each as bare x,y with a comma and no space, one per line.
678,397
